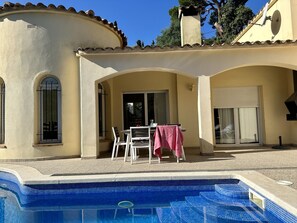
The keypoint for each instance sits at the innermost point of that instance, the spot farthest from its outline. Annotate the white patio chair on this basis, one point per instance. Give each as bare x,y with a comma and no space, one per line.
116,143
140,139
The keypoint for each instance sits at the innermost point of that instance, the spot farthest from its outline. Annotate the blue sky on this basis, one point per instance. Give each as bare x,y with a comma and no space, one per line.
138,19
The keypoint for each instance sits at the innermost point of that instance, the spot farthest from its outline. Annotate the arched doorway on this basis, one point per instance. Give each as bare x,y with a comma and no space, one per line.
139,97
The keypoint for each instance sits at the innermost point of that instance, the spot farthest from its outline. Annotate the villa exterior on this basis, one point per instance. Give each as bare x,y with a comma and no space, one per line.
67,77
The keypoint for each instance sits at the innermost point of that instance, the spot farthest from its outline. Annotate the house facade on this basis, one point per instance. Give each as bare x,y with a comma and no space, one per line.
67,77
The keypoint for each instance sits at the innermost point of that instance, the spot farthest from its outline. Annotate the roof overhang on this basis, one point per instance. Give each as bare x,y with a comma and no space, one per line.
195,47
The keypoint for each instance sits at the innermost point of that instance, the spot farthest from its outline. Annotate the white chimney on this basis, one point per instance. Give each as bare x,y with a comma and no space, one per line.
190,25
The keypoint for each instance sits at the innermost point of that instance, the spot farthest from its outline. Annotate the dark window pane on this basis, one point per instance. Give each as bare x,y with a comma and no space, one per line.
100,109
2,111
50,93
157,108
134,114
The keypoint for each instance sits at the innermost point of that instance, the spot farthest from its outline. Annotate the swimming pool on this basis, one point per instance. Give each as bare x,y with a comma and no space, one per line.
224,200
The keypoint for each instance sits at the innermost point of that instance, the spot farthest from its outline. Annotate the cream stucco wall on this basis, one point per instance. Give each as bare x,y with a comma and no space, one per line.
187,109
275,87
294,17
34,45
288,24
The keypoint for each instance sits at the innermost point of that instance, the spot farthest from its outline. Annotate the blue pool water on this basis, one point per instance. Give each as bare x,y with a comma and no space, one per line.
152,201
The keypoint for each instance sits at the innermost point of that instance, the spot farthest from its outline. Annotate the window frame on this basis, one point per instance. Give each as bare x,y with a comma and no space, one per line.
145,94
101,95
237,123
42,87
2,110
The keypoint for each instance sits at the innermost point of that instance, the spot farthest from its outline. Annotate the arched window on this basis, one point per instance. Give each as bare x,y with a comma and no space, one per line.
2,111
50,110
101,109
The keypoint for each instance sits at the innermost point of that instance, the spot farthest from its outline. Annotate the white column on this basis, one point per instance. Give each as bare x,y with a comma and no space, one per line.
90,73
88,111
205,116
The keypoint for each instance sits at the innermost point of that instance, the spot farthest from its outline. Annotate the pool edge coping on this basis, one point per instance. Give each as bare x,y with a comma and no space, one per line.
281,195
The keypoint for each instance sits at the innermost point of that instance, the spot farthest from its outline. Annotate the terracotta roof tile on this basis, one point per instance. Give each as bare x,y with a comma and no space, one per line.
8,7
185,47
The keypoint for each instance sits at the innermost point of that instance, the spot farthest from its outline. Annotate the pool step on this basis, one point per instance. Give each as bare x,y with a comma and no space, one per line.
203,201
232,190
211,207
223,213
219,199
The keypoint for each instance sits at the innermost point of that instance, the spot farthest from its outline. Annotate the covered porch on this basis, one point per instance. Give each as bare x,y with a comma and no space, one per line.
187,80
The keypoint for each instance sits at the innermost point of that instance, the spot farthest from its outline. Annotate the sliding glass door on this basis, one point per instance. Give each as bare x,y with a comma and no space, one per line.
133,110
248,125
157,107
140,108
224,126
236,125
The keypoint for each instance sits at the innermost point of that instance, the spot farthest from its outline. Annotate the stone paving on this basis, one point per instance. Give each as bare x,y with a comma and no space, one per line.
276,164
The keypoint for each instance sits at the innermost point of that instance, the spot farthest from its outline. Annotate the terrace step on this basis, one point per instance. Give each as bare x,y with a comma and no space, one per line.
232,190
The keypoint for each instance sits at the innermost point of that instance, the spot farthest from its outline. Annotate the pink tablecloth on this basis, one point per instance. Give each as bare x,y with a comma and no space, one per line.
170,137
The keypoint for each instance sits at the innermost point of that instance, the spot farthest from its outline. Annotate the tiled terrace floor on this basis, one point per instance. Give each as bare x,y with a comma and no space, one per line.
275,164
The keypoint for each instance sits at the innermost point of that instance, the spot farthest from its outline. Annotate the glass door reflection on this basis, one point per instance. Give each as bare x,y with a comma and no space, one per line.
224,125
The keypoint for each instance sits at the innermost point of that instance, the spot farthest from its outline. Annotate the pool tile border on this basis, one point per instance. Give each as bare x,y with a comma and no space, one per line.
283,196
